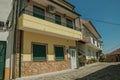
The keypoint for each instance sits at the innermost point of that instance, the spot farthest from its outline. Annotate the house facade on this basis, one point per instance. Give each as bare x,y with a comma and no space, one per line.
91,45
6,38
113,56
46,37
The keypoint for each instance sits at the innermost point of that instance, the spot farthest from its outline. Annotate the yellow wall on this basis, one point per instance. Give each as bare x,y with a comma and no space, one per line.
7,73
30,37
33,24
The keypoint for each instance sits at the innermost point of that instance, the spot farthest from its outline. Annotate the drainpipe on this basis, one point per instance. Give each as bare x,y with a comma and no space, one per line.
77,40
20,53
21,42
15,33
77,53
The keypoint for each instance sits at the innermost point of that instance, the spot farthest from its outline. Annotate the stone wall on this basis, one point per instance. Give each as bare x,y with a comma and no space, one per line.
34,68
17,65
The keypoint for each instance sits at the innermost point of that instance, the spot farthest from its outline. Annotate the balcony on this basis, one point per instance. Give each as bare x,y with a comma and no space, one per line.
91,42
86,39
47,26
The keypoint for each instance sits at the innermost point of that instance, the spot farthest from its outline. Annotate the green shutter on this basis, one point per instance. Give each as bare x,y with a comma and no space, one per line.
57,19
38,12
69,23
97,55
39,52
2,58
59,53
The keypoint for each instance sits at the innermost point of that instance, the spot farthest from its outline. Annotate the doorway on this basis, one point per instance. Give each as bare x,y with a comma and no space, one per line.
2,58
73,58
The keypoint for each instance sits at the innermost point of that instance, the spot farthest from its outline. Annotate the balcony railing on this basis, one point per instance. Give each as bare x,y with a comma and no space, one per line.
48,18
88,40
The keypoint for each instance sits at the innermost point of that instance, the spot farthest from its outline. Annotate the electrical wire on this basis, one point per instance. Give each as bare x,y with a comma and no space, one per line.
113,48
102,21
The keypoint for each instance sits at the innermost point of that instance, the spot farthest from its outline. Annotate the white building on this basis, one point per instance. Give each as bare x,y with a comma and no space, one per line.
91,45
6,38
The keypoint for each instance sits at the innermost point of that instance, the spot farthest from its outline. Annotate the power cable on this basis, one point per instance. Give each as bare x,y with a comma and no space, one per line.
102,21
113,47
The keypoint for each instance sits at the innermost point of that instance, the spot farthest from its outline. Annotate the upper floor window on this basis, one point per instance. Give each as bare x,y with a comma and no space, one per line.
94,40
57,19
69,23
38,12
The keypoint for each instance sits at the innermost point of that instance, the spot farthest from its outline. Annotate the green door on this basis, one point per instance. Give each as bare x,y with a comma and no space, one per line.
2,58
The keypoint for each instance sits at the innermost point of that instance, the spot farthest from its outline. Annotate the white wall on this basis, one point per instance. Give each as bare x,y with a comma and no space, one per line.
90,52
4,35
5,8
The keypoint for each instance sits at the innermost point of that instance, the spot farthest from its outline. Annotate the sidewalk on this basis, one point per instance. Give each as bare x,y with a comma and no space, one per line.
74,74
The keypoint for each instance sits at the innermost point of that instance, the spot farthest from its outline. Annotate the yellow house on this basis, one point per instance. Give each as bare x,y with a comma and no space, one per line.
46,37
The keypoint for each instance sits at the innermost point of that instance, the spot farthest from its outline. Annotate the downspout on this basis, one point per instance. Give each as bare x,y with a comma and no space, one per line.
77,53
15,33
20,53
77,41
21,41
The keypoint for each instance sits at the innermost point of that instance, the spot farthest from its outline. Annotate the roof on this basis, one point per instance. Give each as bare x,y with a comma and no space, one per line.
69,3
117,51
95,29
88,24
65,7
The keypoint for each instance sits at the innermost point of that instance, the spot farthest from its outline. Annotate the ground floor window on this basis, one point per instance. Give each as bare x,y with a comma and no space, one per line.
39,52
59,52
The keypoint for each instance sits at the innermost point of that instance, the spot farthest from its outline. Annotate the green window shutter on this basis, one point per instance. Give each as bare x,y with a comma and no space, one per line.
59,53
39,52
2,58
38,12
69,23
57,19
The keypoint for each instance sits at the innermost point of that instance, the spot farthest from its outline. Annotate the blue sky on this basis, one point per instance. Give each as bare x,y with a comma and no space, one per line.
103,10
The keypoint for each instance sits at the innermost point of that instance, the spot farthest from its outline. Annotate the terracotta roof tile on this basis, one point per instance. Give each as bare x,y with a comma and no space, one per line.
117,51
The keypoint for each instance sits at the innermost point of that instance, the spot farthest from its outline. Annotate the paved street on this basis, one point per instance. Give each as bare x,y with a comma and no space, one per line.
97,71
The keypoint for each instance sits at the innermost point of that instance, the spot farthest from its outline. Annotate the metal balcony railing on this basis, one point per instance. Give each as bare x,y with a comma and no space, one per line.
88,40
48,18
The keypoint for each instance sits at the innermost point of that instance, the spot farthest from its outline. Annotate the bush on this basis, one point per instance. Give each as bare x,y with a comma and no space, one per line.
81,60
92,60
102,58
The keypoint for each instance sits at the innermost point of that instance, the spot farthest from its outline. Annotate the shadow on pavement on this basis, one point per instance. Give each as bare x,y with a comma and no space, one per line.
108,73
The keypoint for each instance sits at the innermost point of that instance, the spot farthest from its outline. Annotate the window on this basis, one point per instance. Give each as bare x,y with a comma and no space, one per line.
39,52
23,4
97,55
69,23
1,23
59,53
93,40
57,19
38,12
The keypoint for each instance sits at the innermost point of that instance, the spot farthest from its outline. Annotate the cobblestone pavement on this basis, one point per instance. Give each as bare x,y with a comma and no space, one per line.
98,71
